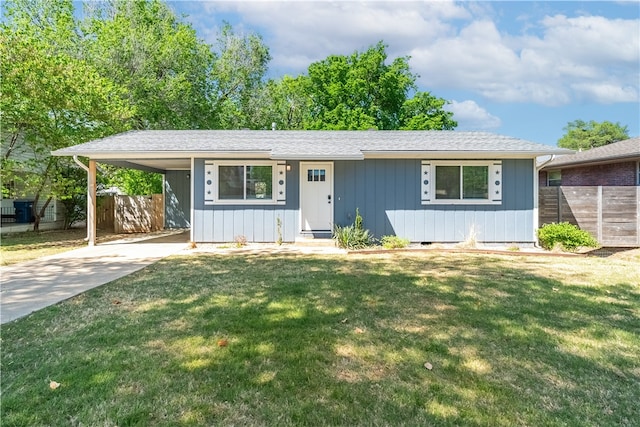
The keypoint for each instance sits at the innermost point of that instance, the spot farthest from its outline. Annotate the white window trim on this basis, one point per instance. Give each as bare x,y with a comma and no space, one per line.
278,179
428,182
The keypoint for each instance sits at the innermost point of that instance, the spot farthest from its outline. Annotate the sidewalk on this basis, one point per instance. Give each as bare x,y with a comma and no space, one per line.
32,285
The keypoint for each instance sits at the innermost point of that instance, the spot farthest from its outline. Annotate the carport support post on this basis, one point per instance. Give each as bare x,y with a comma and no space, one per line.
91,203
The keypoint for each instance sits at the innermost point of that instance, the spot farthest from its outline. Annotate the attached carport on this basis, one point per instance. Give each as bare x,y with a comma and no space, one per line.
176,182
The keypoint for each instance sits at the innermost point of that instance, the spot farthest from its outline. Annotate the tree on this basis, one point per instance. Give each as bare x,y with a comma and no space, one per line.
175,80
359,91
237,78
424,112
284,102
581,135
51,98
136,182
165,68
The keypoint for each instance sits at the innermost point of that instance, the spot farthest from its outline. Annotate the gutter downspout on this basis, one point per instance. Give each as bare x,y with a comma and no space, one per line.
536,183
538,168
91,206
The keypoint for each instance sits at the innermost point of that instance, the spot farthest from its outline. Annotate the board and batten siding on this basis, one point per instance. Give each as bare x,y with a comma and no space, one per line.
257,223
177,200
387,194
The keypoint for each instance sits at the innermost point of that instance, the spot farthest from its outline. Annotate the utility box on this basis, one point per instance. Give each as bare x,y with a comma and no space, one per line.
22,210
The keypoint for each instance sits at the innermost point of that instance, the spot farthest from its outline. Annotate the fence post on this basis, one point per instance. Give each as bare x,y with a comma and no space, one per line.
638,215
559,204
599,215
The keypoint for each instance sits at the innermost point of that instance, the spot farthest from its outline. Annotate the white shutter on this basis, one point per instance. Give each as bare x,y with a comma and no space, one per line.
281,182
495,182
209,182
426,177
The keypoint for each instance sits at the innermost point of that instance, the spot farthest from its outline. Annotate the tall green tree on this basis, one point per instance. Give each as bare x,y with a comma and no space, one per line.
239,67
359,91
581,135
355,92
175,80
165,68
425,112
51,98
284,102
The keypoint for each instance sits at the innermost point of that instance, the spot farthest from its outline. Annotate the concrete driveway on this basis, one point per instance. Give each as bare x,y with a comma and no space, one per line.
32,285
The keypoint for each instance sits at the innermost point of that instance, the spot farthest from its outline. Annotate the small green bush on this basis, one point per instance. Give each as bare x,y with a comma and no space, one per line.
394,242
353,236
569,236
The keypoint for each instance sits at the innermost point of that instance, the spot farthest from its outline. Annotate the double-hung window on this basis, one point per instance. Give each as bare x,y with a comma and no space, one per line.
244,182
461,182
554,178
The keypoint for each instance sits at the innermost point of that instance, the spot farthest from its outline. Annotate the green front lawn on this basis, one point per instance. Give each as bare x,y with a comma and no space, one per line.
339,340
29,245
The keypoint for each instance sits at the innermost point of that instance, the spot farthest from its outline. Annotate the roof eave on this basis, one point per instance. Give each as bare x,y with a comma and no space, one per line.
102,155
312,157
453,154
594,162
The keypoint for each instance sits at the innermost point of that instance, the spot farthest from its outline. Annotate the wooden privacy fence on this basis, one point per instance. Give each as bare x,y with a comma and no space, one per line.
610,214
130,214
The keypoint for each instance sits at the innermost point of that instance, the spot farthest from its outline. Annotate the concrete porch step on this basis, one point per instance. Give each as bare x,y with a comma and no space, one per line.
315,241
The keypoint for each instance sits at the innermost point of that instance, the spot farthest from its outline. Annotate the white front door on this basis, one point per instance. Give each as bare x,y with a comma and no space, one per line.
316,196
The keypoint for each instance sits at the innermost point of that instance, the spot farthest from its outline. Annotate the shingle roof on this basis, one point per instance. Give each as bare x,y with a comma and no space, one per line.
305,144
621,150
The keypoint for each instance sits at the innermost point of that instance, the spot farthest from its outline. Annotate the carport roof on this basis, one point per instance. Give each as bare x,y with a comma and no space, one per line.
170,149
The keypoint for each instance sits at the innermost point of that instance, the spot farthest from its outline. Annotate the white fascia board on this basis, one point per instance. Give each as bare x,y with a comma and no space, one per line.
464,155
129,155
311,157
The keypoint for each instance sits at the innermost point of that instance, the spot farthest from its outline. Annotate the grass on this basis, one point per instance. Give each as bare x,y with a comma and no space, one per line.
339,340
30,245
25,246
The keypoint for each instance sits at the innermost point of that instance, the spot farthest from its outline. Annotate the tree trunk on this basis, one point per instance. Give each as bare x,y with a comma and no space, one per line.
34,209
12,143
38,214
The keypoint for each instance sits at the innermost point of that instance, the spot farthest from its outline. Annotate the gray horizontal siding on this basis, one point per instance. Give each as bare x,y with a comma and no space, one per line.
177,200
387,193
257,223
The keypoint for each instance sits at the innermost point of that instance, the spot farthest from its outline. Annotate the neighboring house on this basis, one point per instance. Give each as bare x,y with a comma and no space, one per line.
13,199
616,164
426,186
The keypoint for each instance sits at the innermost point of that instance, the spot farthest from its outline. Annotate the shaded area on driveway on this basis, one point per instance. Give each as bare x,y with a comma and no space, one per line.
33,285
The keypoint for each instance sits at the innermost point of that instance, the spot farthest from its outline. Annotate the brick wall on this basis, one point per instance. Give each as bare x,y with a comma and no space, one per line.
542,178
614,174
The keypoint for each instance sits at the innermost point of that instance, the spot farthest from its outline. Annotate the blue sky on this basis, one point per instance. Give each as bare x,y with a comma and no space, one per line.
520,68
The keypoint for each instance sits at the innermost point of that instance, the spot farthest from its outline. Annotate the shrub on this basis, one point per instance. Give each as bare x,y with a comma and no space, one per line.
394,242
353,236
567,235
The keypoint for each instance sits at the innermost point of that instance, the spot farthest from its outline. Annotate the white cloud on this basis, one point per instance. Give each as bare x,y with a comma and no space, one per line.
551,60
314,30
586,58
470,116
607,93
